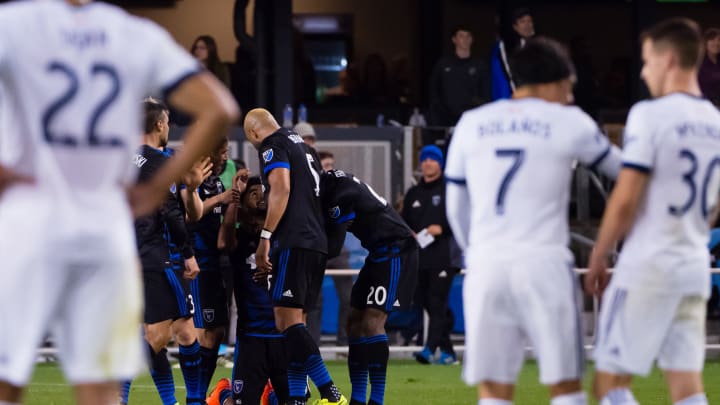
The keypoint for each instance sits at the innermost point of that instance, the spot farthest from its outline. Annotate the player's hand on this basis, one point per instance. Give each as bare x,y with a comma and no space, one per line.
198,173
226,197
262,256
434,230
597,277
260,276
9,178
236,197
240,180
145,198
191,269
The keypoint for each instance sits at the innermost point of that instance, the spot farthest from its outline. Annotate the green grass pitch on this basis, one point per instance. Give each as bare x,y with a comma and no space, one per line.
408,383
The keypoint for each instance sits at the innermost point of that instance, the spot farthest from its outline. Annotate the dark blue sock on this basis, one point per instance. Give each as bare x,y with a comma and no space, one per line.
190,366
208,363
304,360
358,368
377,357
162,376
125,392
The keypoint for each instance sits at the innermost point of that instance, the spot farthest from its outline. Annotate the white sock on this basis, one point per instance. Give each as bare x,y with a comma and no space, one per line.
489,401
619,396
576,398
9,403
697,399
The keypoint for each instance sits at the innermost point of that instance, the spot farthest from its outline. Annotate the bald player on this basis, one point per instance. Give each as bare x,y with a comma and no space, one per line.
293,247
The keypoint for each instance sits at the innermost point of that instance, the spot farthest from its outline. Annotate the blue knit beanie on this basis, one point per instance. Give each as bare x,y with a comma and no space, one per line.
432,152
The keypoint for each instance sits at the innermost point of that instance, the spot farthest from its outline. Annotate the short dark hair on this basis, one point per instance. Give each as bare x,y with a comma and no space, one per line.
682,35
252,181
458,28
541,60
711,33
323,154
519,13
154,109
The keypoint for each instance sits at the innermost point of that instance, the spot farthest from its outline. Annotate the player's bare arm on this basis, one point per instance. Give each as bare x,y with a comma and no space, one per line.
9,178
279,180
212,106
619,217
193,203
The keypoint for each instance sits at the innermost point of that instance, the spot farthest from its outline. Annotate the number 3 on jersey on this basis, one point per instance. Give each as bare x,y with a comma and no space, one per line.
689,179
518,157
91,138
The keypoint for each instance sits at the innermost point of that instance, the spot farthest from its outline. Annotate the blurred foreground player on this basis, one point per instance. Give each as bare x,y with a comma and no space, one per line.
74,109
655,305
294,236
386,281
512,223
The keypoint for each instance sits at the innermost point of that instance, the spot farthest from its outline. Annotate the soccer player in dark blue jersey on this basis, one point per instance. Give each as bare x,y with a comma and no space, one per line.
386,281
208,290
168,303
293,246
260,348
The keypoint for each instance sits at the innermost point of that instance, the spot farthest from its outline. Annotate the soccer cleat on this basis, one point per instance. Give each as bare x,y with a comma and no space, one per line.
214,398
447,359
325,401
424,356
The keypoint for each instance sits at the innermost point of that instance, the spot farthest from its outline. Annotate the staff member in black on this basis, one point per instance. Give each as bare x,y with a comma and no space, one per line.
424,212
293,246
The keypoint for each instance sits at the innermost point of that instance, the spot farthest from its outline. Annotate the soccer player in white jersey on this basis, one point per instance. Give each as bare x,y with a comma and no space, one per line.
654,307
509,169
73,74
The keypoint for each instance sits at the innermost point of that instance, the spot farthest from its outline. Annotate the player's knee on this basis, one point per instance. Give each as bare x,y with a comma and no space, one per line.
353,327
10,393
683,384
185,333
157,335
373,322
565,388
490,389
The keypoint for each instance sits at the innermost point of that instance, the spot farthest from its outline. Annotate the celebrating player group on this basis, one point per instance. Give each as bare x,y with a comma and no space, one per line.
76,175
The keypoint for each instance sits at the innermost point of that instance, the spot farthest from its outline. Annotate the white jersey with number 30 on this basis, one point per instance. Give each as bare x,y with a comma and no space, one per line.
676,139
73,80
516,158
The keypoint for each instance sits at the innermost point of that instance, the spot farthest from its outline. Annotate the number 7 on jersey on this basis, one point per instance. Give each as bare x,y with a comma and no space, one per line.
517,156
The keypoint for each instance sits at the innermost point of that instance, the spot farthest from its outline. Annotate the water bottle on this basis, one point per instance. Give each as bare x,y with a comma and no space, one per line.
302,113
288,116
380,121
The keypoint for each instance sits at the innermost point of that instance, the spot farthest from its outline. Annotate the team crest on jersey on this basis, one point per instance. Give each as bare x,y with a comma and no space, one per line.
238,386
268,155
209,315
436,200
334,212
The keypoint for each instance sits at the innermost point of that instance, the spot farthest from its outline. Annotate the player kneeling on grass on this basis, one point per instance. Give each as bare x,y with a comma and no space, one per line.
386,281
509,168
260,348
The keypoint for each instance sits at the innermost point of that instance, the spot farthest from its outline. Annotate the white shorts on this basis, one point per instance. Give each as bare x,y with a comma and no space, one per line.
82,286
637,326
510,302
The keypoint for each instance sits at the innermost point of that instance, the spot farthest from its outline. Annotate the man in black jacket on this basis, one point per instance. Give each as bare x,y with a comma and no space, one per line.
459,81
424,212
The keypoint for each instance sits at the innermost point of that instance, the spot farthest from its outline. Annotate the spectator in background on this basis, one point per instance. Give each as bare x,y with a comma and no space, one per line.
459,81
522,29
424,212
307,133
375,83
343,284
348,89
204,49
709,75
